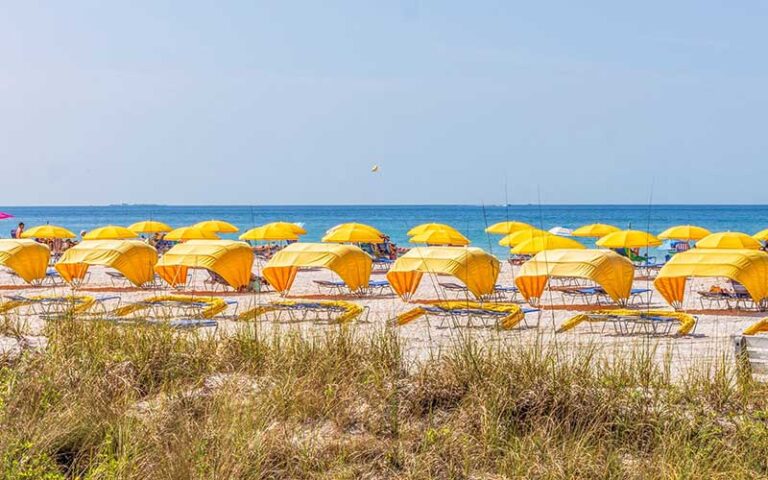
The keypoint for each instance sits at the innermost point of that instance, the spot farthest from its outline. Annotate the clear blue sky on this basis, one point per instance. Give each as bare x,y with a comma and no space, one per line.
293,102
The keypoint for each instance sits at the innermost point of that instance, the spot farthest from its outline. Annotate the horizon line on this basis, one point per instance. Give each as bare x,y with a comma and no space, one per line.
493,205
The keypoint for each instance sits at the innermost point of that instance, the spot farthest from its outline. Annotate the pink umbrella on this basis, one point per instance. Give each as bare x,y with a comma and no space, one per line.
4,215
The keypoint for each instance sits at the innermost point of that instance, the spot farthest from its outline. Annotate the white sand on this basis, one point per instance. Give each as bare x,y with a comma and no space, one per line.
423,337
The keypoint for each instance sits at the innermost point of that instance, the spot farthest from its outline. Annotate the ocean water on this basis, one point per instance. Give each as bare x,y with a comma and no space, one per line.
395,220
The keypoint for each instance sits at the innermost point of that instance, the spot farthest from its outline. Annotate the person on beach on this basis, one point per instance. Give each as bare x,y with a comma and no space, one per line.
19,230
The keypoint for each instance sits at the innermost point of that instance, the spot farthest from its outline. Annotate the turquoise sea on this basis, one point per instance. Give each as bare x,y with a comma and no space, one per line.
395,220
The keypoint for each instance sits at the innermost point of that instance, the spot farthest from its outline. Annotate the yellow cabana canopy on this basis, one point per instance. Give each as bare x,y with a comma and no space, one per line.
109,232
425,227
190,233
440,236
628,239
747,267
271,232
505,228
594,230
149,226
132,258
230,259
27,258
545,242
48,231
729,240
216,226
477,269
353,233
685,233
521,236
606,268
349,262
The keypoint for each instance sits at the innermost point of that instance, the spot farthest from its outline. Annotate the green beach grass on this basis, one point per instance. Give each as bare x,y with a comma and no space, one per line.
103,401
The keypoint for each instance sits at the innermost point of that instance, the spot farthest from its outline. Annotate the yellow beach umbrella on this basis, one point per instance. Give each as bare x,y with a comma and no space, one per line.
294,227
357,226
353,233
48,231
629,239
521,236
441,236
425,227
685,233
762,235
190,233
217,226
594,230
505,228
271,232
110,232
149,226
545,242
728,240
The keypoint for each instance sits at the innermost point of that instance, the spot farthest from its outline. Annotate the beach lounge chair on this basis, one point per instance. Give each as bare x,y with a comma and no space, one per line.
460,291
320,311
117,279
714,298
585,295
185,323
56,306
328,286
215,281
382,264
633,322
637,296
504,293
465,313
516,260
377,287
176,306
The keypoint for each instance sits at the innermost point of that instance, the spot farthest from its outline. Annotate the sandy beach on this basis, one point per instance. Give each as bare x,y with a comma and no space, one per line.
427,336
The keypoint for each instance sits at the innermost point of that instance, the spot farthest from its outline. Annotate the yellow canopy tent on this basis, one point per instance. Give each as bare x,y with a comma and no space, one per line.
477,269
606,268
349,262
747,267
230,259
27,258
132,258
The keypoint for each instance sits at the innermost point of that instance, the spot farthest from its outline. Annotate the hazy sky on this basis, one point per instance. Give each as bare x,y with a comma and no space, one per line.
293,102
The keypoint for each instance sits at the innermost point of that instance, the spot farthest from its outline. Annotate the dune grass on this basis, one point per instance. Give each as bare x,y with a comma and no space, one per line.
102,402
